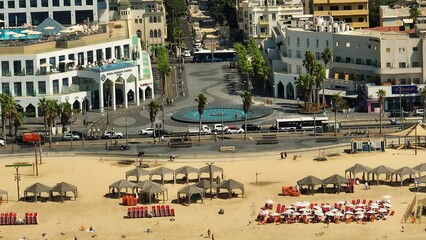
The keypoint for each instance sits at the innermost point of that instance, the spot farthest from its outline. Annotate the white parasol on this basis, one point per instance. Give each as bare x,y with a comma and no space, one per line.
302,210
305,204
331,214
66,31
264,212
371,212
296,214
269,201
274,214
338,214
289,207
46,65
383,210
49,28
319,214
350,205
359,212
349,212
334,210
359,209
26,31
317,207
288,211
35,33
19,35
360,205
341,202
297,203
386,197
305,213
388,205
10,33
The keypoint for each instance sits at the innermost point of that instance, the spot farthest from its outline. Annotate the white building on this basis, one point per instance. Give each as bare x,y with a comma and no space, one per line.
68,69
66,12
363,61
258,17
399,15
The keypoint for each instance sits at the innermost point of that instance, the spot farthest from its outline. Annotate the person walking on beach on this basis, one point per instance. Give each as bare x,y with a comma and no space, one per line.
209,232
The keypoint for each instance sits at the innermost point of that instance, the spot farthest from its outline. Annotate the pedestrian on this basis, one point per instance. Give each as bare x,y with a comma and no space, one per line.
285,154
209,232
236,115
282,155
366,185
212,236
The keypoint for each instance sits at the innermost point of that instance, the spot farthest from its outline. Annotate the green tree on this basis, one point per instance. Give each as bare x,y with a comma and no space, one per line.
247,98
319,77
305,85
109,88
338,103
66,113
154,107
202,102
415,13
163,65
309,61
44,108
17,121
9,111
381,94
326,56
423,96
175,9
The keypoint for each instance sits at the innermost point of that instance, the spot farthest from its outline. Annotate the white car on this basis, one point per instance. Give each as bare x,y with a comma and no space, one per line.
112,134
419,112
219,128
69,136
147,131
235,130
186,53
1,141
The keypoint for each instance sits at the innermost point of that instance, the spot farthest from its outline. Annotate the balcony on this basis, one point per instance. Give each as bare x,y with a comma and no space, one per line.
264,22
359,24
340,13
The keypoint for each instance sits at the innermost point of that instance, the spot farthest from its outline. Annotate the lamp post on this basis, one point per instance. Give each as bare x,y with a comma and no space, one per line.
221,116
126,123
211,178
315,125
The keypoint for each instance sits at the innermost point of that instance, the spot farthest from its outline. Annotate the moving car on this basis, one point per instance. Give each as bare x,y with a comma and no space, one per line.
186,53
161,132
195,129
251,127
147,131
419,112
69,136
112,134
219,128
234,130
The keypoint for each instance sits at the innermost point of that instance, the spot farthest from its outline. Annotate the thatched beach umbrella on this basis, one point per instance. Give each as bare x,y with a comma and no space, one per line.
161,171
189,191
120,185
404,171
358,168
381,170
335,179
155,189
310,181
186,170
62,188
137,172
230,185
36,189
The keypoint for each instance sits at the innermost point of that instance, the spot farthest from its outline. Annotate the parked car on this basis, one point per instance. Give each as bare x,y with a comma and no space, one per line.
397,113
146,131
112,134
234,130
251,127
69,136
78,133
219,128
1,141
186,53
419,112
161,132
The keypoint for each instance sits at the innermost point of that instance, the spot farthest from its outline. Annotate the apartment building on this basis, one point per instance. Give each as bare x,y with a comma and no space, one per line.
15,13
363,61
354,12
146,20
399,15
258,17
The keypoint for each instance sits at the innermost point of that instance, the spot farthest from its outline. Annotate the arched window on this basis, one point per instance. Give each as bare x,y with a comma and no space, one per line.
159,33
139,33
274,17
151,34
150,19
155,33
159,19
155,19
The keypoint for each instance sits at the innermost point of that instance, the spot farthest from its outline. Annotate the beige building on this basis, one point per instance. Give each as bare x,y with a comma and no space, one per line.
399,15
354,12
146,19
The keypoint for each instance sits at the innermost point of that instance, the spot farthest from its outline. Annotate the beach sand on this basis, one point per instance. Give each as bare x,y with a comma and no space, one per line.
92,175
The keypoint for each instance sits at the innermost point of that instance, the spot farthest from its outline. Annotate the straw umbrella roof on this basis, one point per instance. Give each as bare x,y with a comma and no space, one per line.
37,188
152,189
382,170
121,184
231,184
422,179
162,171
357,168
416,130
186,170
64,187
335,179
310,180
205,184
405,171
137,172
144,184
190,190
215,168
420,167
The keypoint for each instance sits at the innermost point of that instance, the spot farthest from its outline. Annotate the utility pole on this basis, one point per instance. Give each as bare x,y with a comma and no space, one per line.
211,178
17,175
127,136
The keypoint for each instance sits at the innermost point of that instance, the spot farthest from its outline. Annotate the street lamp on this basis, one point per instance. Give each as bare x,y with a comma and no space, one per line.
221,116
211,178
126,123
315,125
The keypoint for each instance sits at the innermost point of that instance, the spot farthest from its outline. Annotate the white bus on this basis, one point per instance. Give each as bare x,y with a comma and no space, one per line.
300,123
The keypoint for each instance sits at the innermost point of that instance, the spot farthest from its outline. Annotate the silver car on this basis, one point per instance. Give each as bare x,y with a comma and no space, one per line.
68,136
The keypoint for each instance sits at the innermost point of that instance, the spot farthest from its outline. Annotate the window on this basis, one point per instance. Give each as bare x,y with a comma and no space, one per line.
89,2
347,7
361,19
65,82
357,45
326,43
388,64
78,2
358,61
317,45
22,3
159,33
55,86
288,41
67,3
299,69
348,60
71,56
402,65
368,62
136,20
52,60
1,5
11,4
5,88
42,87
338,58
30,89
416,80
387,49
108,53
416,64
17,68
29,67
5,68
140,20
298,42
318,55
415,49
33,3
337,44
307,42
55,3
402,49
90,57
289,68
274,17
289,53
403,81
348,44
298,55
360,7
17,87
99,55
320,8
334,8
126,51
44,3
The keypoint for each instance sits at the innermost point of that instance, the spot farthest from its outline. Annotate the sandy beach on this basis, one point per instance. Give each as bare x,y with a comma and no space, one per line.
93,174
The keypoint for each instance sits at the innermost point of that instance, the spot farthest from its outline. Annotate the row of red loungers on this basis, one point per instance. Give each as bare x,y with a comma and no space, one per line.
11,219
156,211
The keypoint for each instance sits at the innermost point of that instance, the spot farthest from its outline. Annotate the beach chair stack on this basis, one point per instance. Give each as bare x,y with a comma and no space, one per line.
31,218
290,191
129,200
8,219
156,211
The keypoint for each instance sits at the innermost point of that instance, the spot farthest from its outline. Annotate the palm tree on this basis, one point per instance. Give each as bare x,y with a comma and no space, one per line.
109,87
423,95
202,102
154,108
9,109
319,76
17,121
381,94
43,107
53,110
263,71
309,61
326,56
247,98
415,13
66,113
305,84
163,65
337,99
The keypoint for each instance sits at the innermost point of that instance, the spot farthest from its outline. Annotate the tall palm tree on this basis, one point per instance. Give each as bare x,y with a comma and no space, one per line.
337,100
309,61
9,109
381,94
247,98
109,87
154,108
53,110
264,71
423,95
305,85
44,108
65,113
319,76
17,121
326,56
163,65
415,13
202,102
